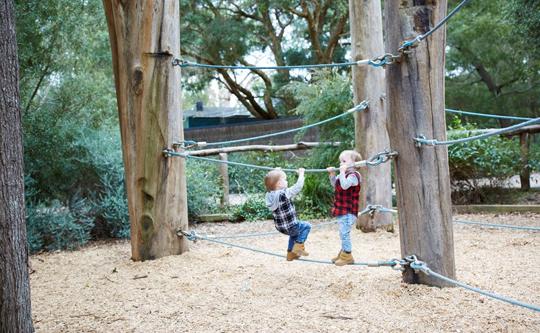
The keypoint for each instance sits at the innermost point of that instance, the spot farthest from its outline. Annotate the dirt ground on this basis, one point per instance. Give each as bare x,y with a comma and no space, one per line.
215,288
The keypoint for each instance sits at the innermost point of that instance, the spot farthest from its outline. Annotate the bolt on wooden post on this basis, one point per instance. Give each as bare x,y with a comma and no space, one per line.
415,89
145,38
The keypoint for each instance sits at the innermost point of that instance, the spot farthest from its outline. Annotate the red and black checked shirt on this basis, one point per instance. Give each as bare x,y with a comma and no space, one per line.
347,201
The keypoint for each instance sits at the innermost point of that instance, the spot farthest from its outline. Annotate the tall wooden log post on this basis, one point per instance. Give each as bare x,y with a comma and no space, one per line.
415,89
371,135
525,173
15,307
224,173
145,38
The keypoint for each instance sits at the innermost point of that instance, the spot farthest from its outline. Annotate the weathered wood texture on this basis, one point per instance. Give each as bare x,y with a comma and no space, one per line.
415,89
371,135
15,310
224,173
265,148
525,173
145,37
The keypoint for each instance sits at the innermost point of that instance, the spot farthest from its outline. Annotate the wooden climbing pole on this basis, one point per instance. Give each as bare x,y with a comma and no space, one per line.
145,38
371,135
415,89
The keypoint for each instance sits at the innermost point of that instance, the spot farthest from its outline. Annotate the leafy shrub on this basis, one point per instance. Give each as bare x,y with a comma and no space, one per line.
316,198
249,180
496,158
203,187
57,227
253,209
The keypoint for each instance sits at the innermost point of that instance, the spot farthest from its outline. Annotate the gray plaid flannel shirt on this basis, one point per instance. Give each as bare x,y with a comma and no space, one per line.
283,211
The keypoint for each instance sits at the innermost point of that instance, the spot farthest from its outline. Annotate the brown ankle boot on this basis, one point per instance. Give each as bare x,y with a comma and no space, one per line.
299,249
336,257
292,256
344,259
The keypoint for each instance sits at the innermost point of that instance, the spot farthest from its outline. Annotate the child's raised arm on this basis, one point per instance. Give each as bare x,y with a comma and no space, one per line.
292,191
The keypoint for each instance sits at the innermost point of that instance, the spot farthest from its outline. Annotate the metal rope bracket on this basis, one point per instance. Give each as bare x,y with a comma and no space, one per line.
191,235
385,59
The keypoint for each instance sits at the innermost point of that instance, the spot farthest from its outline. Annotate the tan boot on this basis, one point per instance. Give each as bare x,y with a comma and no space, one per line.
344,259
292,256
299,249
336,257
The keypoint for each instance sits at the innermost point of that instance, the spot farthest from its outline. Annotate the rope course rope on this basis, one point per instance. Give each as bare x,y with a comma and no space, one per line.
258,234
493,225
421,140
375,160
360,107
412,42
372,209
420,266
192,236
487,115
385,59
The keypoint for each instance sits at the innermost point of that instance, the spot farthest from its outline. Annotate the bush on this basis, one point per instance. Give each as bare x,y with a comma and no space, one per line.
253,209
203,187
316,198
249,180
495,158
57,227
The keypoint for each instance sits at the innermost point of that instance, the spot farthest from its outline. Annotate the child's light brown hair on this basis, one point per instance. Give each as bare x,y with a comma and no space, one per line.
355,156
272,178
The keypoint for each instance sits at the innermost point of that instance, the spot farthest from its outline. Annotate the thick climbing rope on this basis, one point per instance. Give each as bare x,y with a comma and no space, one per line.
411,43
486,115
420,266
259,234
372,209
375,160
493,225
192,236
361,106
375,62
421,140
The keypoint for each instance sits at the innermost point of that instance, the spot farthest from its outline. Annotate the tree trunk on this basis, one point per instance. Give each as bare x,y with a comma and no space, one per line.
525,174
224,173
145,38
371,135
15,310
415,89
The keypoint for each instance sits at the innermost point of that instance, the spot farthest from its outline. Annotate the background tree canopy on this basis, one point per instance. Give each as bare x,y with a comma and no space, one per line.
73,163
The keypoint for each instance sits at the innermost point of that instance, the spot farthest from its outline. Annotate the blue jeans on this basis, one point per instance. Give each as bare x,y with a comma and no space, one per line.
345,223
299,235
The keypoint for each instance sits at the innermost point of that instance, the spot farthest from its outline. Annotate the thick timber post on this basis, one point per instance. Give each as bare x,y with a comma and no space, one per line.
525,173
415,89
371,135
145,38
15,300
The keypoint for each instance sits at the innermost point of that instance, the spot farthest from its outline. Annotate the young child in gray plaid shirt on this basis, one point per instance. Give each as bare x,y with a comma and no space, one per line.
279,201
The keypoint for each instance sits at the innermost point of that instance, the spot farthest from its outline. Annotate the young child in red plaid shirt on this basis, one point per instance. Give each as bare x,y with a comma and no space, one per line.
346,202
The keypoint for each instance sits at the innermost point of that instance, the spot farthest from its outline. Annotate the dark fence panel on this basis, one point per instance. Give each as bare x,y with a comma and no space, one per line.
251,129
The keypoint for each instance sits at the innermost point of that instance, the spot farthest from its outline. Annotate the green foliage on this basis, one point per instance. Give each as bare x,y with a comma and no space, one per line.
203,187
328,95
252,210
316,198
249,180
55,227
495,158
490,68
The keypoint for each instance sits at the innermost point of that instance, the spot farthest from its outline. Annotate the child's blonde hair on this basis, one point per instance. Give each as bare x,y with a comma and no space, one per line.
272,178
355,156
